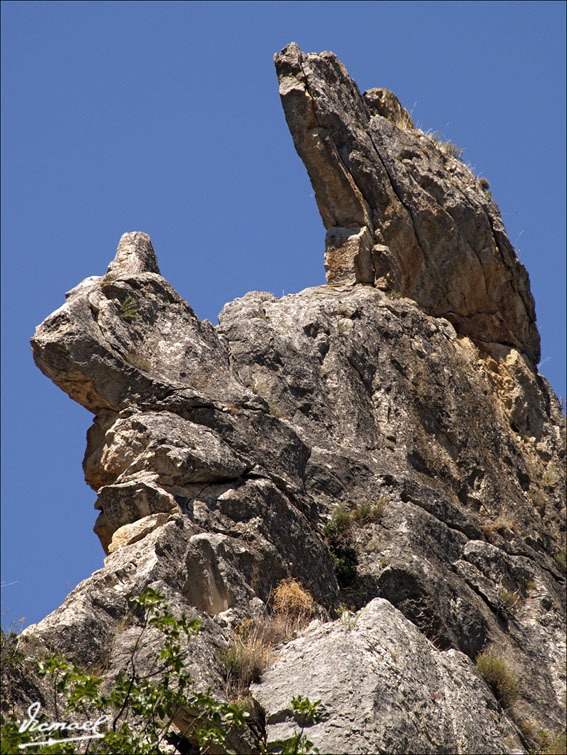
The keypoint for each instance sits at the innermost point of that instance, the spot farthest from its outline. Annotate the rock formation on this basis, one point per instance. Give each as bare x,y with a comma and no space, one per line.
400,209
406,385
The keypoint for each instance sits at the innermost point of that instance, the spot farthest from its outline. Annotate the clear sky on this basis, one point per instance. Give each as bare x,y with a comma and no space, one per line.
165,117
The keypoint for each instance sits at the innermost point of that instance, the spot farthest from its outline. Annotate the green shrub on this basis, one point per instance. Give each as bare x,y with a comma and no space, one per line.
142,709
500,678
338,534
346,563
305,713
367,512
129,309
552,744
339,526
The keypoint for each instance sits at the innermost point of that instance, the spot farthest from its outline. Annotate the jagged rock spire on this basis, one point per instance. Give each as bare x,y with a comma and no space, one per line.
433,231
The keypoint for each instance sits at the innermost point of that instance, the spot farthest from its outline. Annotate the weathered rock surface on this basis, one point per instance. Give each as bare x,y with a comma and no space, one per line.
382,685
371,169
219,454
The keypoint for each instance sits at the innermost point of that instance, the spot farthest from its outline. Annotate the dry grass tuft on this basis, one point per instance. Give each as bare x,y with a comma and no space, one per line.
253,649
502,524
292,601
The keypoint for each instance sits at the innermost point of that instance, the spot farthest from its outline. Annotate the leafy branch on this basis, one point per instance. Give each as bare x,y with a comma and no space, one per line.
141,708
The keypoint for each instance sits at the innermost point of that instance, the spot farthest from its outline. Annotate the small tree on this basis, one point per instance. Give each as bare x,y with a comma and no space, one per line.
141,709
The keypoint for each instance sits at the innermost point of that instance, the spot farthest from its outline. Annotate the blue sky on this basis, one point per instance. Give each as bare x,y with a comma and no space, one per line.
165,117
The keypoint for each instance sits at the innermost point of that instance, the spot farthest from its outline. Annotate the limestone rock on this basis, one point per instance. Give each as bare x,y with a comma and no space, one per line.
130,533
220,454
348,256
370,167
382,688
385,103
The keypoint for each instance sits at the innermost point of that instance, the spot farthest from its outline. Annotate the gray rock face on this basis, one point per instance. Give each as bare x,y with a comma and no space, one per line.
370,168
382,687
219,455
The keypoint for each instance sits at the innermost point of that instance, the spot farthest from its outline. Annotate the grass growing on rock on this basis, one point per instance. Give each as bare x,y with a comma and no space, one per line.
338,533
552,744
499,677
252,652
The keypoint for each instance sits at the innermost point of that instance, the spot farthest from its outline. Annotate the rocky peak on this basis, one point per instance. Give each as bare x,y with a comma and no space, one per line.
135,254
402,212
400,400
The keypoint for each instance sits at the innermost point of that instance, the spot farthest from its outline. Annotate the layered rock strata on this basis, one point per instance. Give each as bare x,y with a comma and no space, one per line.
219,454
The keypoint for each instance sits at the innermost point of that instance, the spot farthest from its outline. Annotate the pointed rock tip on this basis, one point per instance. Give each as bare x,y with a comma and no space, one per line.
292,47
135,254
383,102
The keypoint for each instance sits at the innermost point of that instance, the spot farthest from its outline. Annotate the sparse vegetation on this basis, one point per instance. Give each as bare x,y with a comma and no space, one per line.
527,728
509,599
348,617
367,511
140,361
374,546
345,558
340,523
142,709
338,534
539,499
394,294
540,742
560,558
129,309
551,476
551,744
344,518
501,679
108,278
10,653
253,650
249,655
446,146
499,525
